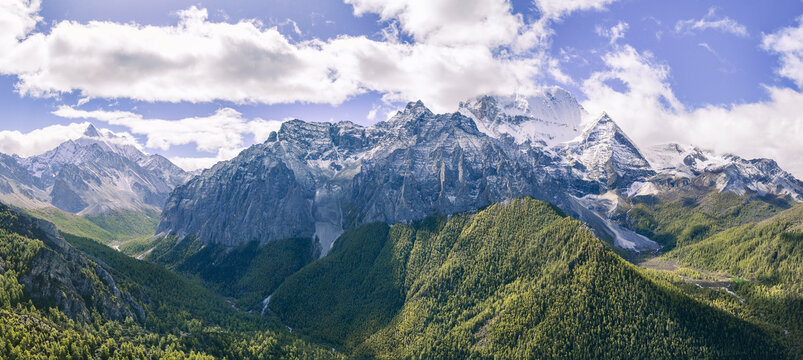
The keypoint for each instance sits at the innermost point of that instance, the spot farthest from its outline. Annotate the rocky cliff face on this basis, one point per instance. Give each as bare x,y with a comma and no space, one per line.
90,175
319,178
58,275
316,179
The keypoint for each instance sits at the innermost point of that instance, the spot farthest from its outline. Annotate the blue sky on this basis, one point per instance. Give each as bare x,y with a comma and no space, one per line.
724,75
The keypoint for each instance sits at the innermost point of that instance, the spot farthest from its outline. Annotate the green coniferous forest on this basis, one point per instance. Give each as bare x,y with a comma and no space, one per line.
517,280
183,319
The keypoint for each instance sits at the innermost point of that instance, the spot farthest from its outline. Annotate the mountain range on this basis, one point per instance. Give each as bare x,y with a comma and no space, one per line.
514,227
99,183
318,179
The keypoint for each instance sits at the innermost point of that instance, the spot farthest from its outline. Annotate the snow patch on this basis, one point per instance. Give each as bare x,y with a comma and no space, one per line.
265,304
640,188
327,233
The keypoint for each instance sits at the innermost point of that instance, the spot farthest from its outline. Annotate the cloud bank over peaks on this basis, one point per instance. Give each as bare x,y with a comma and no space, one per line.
225,133
41,140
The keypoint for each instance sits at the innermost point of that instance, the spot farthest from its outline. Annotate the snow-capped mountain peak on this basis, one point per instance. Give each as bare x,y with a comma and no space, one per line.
549,117
727,172
607,154
412,111
96,173
91,131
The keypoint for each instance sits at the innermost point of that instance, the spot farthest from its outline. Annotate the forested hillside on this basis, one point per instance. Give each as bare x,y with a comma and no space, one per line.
91,302
767,259
516,280
248,273
684,217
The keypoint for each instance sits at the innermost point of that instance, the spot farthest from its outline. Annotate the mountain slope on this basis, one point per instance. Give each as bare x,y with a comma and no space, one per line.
247,273
684,214
770,251
517,280
690,165
99,172
606,155
759,263
54,274
78,299
98,186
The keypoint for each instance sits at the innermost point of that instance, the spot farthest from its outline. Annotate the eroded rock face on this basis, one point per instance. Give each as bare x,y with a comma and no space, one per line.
315,179
77,286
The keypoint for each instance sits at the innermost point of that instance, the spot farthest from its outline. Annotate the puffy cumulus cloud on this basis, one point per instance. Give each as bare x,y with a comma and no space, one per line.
439,76
40,140
710,21
788,44
649,112
222,133
197,60
555,9
488,23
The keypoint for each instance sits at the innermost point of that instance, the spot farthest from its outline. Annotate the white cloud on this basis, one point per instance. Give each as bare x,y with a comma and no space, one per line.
708,48
613,33
788,44
17,19
649,112
40,140
440,76
488,23
557,8
372,113
195,60
381,112
198,163
709,21
200,61
222,132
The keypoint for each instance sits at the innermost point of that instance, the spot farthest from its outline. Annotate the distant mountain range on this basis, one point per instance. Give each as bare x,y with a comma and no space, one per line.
92,175
316,179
